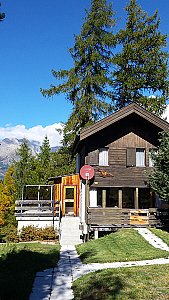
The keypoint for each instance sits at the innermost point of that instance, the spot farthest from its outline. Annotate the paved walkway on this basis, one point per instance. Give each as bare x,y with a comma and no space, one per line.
55,284
152,239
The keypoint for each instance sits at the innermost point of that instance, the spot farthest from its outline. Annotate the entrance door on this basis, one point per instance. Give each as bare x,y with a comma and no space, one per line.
69,200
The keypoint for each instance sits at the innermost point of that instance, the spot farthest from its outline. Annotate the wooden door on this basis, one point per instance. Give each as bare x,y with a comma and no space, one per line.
69,201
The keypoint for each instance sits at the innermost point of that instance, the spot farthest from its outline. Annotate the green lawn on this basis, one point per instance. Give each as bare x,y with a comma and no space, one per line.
149,282
19,264
123,245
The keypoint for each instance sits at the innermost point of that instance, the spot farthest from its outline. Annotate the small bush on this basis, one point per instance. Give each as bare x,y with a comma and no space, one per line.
48,233
9,234
32,233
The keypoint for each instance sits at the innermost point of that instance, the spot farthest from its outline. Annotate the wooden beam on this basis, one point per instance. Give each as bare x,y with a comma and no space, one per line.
136,204
120,198
104,198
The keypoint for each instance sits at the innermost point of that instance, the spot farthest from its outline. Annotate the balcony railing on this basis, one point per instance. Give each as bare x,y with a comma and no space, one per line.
116,217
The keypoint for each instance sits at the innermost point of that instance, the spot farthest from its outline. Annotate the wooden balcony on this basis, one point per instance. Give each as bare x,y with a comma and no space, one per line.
34,208
109,218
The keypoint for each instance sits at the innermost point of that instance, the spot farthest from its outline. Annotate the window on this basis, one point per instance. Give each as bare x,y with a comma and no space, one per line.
69,193
140,157
103,157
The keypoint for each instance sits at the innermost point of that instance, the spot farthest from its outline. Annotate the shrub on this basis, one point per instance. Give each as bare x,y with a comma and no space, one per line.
9,234
32,233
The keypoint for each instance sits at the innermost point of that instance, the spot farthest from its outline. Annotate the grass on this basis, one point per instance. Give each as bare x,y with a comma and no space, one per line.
123,245
19,264
164,235
149,282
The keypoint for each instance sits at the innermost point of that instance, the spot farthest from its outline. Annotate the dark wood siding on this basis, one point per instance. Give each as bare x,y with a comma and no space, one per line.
93,158
121,171
130,157
117,156
122,144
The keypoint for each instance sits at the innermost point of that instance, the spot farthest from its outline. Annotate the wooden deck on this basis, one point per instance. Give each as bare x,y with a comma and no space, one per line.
109,218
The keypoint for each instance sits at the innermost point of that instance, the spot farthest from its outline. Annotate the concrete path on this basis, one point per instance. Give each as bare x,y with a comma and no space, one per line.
55,284
152,239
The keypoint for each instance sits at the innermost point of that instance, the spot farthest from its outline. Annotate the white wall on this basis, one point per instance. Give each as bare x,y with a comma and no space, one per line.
93,197
82,202
40,222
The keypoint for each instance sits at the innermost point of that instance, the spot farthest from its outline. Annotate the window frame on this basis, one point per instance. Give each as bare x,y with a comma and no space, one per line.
140,150
105,159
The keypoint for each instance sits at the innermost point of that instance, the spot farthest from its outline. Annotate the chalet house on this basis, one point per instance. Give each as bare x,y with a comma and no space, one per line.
119,148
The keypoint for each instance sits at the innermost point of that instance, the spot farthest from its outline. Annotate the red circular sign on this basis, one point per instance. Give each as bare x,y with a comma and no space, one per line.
87,172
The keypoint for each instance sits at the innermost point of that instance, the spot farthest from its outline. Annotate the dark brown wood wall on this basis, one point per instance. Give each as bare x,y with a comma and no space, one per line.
119,172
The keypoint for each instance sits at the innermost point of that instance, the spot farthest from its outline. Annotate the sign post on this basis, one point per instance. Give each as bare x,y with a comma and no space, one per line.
87,173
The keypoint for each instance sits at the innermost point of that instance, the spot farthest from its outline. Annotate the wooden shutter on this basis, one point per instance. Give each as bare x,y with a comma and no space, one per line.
131,157
94,158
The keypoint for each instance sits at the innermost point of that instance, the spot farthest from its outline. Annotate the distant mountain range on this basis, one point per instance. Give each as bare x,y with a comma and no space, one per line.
8,148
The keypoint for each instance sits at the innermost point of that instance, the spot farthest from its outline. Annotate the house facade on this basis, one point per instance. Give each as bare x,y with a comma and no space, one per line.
119,148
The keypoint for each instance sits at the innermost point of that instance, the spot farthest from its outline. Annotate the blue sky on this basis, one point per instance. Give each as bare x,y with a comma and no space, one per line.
35,38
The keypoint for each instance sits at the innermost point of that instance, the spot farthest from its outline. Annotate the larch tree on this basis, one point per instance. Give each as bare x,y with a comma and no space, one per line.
86,84
141,66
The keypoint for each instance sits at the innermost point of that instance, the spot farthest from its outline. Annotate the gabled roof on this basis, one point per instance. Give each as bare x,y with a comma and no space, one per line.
118,116
122,113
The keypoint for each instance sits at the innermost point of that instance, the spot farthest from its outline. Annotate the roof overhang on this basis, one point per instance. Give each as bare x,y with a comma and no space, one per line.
118,116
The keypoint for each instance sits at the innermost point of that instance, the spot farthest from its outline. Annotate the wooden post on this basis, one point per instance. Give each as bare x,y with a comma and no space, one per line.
136,199
96,234
120,198
103,198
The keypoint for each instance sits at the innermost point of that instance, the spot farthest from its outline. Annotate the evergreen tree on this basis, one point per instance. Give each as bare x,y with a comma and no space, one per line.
62,162
141,66
44,161
87,83
23,167
159,177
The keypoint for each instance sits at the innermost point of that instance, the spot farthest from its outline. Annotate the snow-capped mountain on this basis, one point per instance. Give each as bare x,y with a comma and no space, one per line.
8,152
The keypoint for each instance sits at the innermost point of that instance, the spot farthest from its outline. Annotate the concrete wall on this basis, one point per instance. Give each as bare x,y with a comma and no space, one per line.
40,222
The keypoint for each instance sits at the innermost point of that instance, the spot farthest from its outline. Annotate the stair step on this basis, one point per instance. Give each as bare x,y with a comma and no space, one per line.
70,233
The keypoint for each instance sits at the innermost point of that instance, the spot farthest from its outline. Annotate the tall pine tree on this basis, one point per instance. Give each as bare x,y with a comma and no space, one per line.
23,167
86,84
141,67
44,163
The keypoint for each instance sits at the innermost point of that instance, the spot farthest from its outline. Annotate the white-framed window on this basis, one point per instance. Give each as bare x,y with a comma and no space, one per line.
103,157
140,157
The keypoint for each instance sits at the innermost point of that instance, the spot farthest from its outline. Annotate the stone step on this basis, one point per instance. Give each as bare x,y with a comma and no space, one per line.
70,233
